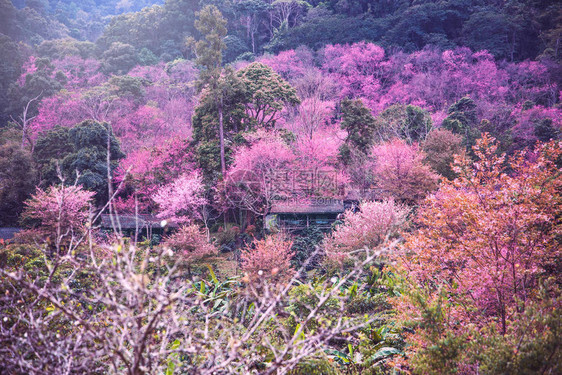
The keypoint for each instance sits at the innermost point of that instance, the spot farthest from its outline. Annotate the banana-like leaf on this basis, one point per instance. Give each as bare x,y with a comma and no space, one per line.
383,353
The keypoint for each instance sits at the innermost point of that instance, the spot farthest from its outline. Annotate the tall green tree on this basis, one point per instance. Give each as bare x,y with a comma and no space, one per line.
462,119
206,126
212,25
360,125
17,176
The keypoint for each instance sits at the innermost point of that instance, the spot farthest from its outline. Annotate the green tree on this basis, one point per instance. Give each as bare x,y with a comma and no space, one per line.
462,120
60,48
489,29
119,58
234,48
545,130
37,85
8,26
211,24
409,122
268,93
440,147
80,155
17,176
251,11
10,66
146,57
206,126
360,125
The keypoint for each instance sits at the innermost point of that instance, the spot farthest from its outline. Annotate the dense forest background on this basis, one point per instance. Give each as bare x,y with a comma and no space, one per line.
62,59
122,34
512,30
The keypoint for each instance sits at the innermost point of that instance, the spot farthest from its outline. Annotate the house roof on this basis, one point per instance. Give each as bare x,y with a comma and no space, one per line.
132,222
8,233
308,207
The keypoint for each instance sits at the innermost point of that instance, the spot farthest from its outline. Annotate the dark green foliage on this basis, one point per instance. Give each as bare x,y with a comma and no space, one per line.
514,30
254,12
31,258
206,123
170,51
360,125
531,344
10,65
28,257
306,244
159,28
304,299
247,56
443,356
437,23
417,123
326,28
17,176
60,48
207,157
8,26
228,239
267,94
146,57
39,84
119,58
462,120
366,303
440,148
52,144
489,29
314,366
545,130
127,86
81,155
234,48
408,122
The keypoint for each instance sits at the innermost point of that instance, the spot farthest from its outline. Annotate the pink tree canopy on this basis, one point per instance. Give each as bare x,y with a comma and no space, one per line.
181,199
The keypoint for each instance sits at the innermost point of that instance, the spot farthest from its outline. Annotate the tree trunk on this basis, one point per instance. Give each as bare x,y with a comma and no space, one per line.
252,33
221,136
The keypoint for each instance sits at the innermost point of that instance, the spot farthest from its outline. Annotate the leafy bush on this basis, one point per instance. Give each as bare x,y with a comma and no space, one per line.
190,243
304,245
269,259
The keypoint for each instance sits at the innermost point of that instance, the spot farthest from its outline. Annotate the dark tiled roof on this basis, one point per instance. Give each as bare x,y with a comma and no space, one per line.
311,207
8,233
132,221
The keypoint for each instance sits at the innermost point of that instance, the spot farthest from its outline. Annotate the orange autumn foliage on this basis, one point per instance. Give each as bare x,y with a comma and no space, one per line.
484,242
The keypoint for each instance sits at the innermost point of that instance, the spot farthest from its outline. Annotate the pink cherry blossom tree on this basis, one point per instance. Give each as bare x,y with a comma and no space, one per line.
181,199
400,172
61,213
268,259
249,179
190,244
367,228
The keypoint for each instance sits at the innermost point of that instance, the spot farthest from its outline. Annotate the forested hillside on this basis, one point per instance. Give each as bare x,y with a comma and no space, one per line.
280,187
